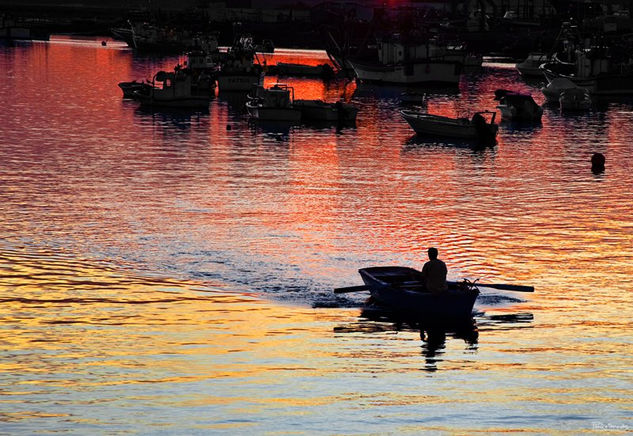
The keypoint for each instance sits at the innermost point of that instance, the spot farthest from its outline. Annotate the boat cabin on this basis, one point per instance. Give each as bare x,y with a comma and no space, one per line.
279,95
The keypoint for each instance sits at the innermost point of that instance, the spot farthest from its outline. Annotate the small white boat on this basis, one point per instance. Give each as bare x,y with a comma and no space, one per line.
318,110
274,104
477,128
555,87
530,66
175,90
575,100
516,106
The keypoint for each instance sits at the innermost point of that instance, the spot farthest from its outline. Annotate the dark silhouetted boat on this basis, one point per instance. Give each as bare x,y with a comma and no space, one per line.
515,106
402,290
477,128
171,89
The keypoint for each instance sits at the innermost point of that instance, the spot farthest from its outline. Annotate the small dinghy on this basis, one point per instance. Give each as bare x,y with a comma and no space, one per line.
477,128
401,290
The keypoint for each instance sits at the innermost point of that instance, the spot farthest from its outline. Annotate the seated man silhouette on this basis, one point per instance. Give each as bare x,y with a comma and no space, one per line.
434,273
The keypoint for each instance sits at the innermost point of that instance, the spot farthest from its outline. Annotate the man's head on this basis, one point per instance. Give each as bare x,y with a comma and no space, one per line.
432,253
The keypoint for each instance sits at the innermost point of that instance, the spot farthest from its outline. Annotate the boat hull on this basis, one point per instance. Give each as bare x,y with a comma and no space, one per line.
239,82
317,110
273,113
130,89
400,289
531,66
426,72
600,84
459,128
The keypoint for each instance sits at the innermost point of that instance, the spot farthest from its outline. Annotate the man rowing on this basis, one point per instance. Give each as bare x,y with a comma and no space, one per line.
434,273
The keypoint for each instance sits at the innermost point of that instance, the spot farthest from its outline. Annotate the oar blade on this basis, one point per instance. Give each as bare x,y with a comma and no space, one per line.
505,287
350,289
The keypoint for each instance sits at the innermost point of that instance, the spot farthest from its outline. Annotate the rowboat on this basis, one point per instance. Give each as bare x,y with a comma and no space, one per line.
477,128
402,290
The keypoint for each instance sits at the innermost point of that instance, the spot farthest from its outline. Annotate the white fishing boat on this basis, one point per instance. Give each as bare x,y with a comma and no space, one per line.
404,63
318,110
171,89
595,70
239,70
476,128
275,104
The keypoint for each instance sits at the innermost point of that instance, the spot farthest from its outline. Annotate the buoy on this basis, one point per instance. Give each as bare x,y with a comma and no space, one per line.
104,43
597,162
228,127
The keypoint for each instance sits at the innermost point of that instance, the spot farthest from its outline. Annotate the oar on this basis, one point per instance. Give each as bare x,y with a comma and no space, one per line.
351,289
516,288
502,286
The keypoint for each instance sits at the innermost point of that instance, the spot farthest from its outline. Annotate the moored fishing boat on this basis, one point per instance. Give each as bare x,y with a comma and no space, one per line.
477,128
401,289
171,89
274,104
515,106
239,70
406,63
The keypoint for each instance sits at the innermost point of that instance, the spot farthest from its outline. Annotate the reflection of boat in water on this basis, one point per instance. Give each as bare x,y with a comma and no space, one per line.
274,104
516,106
175,91
318,110
401,289
476,128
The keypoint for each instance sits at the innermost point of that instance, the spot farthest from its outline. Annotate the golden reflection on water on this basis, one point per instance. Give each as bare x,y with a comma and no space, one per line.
75,327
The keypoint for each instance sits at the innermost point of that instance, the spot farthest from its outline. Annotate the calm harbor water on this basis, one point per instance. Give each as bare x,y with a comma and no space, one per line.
172,273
